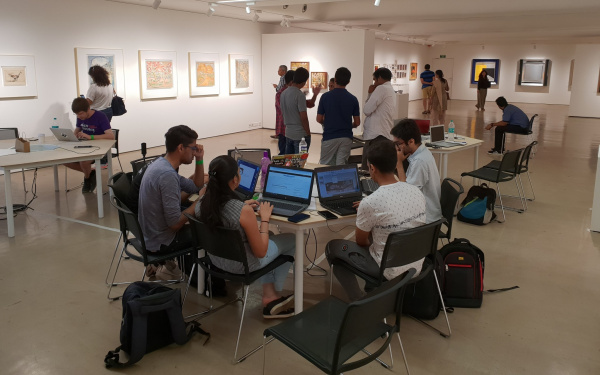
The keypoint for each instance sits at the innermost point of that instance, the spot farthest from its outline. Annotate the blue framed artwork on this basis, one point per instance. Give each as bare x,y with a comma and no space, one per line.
491,66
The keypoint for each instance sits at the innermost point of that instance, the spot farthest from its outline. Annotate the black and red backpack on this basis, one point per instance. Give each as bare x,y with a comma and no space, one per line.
463,266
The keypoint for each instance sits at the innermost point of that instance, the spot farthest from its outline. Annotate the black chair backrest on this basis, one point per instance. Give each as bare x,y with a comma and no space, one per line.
120,183
451,191
531,122
132,225
138,164
221,242
365,316
524,163
509,163
116,146
409,245
9,133
254,155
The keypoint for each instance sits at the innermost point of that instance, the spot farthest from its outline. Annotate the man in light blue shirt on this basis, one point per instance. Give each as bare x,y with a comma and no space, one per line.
514,120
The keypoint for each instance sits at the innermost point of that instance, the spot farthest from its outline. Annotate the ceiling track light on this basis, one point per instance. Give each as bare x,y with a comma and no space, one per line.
156,4
304,8
285,22
211,9
256,16
377,2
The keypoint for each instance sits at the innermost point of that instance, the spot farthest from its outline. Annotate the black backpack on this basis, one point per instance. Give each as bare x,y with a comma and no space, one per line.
118,106
478,206
463,265
152,319
421,298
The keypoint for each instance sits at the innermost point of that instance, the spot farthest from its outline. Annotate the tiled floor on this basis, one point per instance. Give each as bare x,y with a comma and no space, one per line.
55,318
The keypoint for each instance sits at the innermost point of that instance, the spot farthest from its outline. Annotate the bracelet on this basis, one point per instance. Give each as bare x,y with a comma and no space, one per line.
199,162
92,137
264,232
264,221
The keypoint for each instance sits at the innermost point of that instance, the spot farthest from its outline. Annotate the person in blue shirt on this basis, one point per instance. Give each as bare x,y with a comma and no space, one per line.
339,113
426,87
514,120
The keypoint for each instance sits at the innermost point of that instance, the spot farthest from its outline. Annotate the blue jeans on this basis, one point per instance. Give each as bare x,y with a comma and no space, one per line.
285,244
108,112
293,147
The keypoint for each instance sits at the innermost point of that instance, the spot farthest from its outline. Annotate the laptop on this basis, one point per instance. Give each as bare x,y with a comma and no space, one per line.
438,137
288,189
290,160
65,135
339,187
249,173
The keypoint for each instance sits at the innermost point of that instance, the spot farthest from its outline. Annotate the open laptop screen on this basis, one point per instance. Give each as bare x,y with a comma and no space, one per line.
340,181
437,133
249,173
289,182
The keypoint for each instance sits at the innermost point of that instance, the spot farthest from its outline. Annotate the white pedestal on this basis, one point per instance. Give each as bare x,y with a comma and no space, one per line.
401,106
596,205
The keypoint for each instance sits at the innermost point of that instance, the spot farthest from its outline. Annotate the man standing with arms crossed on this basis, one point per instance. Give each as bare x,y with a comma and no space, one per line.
426,86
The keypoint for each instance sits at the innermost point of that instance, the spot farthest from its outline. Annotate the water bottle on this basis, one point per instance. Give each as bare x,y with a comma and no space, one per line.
264,167
55,123
303,146
451,131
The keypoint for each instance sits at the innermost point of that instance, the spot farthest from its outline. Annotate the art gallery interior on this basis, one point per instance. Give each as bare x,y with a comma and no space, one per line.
55,318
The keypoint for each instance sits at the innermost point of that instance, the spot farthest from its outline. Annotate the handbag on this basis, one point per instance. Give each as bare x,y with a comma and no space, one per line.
118,106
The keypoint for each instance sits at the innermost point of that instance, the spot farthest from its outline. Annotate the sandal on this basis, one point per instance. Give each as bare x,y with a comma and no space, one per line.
279,308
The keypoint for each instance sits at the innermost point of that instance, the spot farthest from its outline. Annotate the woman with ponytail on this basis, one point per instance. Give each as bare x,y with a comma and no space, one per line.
220,206
439,99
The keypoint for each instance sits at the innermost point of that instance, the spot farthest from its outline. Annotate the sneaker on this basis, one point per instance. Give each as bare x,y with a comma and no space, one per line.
494,152
171,269
86,186
280,308
92,180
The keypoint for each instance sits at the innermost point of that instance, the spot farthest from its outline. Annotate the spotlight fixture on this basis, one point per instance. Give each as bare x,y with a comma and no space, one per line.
387,36
285,22
304,8
156,4
211,9
256,16
248,6
285,7
377,3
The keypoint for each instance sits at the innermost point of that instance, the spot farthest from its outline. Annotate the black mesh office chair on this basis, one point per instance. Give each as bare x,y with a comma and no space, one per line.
505,173
528,132
254,155
331,332
451,191
227,243
138,164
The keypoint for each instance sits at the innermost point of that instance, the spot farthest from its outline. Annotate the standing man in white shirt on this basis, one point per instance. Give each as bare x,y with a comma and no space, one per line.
379,110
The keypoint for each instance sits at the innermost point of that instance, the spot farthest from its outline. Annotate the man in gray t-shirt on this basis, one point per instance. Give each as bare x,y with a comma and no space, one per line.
294,105
159,212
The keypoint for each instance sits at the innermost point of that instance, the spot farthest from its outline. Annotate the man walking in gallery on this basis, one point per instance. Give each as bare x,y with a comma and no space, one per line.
379,110
514,120
279,124
338,112
426,85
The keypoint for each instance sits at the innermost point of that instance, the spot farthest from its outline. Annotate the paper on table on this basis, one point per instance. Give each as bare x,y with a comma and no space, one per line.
7,151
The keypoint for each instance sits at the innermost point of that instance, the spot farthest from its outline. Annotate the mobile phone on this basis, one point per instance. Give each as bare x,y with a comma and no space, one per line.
298,218
82,96
83,146
327,215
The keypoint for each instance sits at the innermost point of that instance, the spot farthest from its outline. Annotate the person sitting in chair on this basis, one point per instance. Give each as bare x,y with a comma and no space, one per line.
221,207
393,207
514,120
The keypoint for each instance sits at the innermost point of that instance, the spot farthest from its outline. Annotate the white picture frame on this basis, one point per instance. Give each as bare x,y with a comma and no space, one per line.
17,76
204,70
158,74
109,59
241,74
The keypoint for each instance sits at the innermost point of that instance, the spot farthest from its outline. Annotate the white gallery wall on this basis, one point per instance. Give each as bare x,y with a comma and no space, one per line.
585,99
392,52
555,93
50,30
326,52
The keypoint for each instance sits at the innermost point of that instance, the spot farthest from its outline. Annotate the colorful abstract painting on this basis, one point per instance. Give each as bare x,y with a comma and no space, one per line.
319,79
413,71
242,73
301,64
159,74
205,73
491,66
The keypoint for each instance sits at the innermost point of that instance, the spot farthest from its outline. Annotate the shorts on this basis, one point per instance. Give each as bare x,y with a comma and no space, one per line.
427,92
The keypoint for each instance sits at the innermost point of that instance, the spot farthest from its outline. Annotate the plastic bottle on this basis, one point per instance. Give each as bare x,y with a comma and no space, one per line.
55,123
264,167
303,146
451,131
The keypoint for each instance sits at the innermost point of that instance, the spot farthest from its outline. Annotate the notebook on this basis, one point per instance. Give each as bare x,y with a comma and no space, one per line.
65,135
249,173
290,160
438,137
288,189
339,187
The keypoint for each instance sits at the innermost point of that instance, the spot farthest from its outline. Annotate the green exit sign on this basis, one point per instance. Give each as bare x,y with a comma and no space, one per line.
442,56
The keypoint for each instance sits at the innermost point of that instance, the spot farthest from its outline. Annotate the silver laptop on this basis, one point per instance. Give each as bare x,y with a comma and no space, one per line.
65,135
288,189
339,187
438,138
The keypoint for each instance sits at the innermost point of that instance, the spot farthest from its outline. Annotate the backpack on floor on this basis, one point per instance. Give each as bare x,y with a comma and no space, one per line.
463,266
152,319
422,299
478,206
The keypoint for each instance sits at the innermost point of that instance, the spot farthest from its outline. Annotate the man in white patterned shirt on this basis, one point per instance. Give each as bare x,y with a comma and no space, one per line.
393,207
379,109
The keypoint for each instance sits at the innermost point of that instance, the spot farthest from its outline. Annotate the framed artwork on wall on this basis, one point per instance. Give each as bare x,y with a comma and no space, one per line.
109,59
413,71
17,77
241,70
301,64
534,72
158,74
377,66
319,79
204,73
491,66
571,75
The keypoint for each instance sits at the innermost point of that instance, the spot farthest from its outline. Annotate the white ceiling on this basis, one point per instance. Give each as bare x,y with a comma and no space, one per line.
423,21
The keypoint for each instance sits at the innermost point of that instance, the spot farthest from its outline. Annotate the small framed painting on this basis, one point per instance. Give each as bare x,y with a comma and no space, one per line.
533,72
319,79
158,74
301,64
109,59
413,71
241,70
204,73
491,66
17,77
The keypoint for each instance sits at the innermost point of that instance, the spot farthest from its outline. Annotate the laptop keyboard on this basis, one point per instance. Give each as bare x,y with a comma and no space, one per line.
283,205
369,186
347,203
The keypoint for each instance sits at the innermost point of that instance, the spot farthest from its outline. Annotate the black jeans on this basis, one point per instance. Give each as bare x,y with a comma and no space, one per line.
182,240
499,137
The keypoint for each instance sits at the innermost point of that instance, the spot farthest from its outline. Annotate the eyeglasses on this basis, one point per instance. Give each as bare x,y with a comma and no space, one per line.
193,148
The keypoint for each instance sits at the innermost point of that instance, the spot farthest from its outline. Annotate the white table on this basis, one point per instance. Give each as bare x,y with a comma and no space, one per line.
66,153
471,143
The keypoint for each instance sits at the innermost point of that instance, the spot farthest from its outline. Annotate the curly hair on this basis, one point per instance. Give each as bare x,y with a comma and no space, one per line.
99,75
